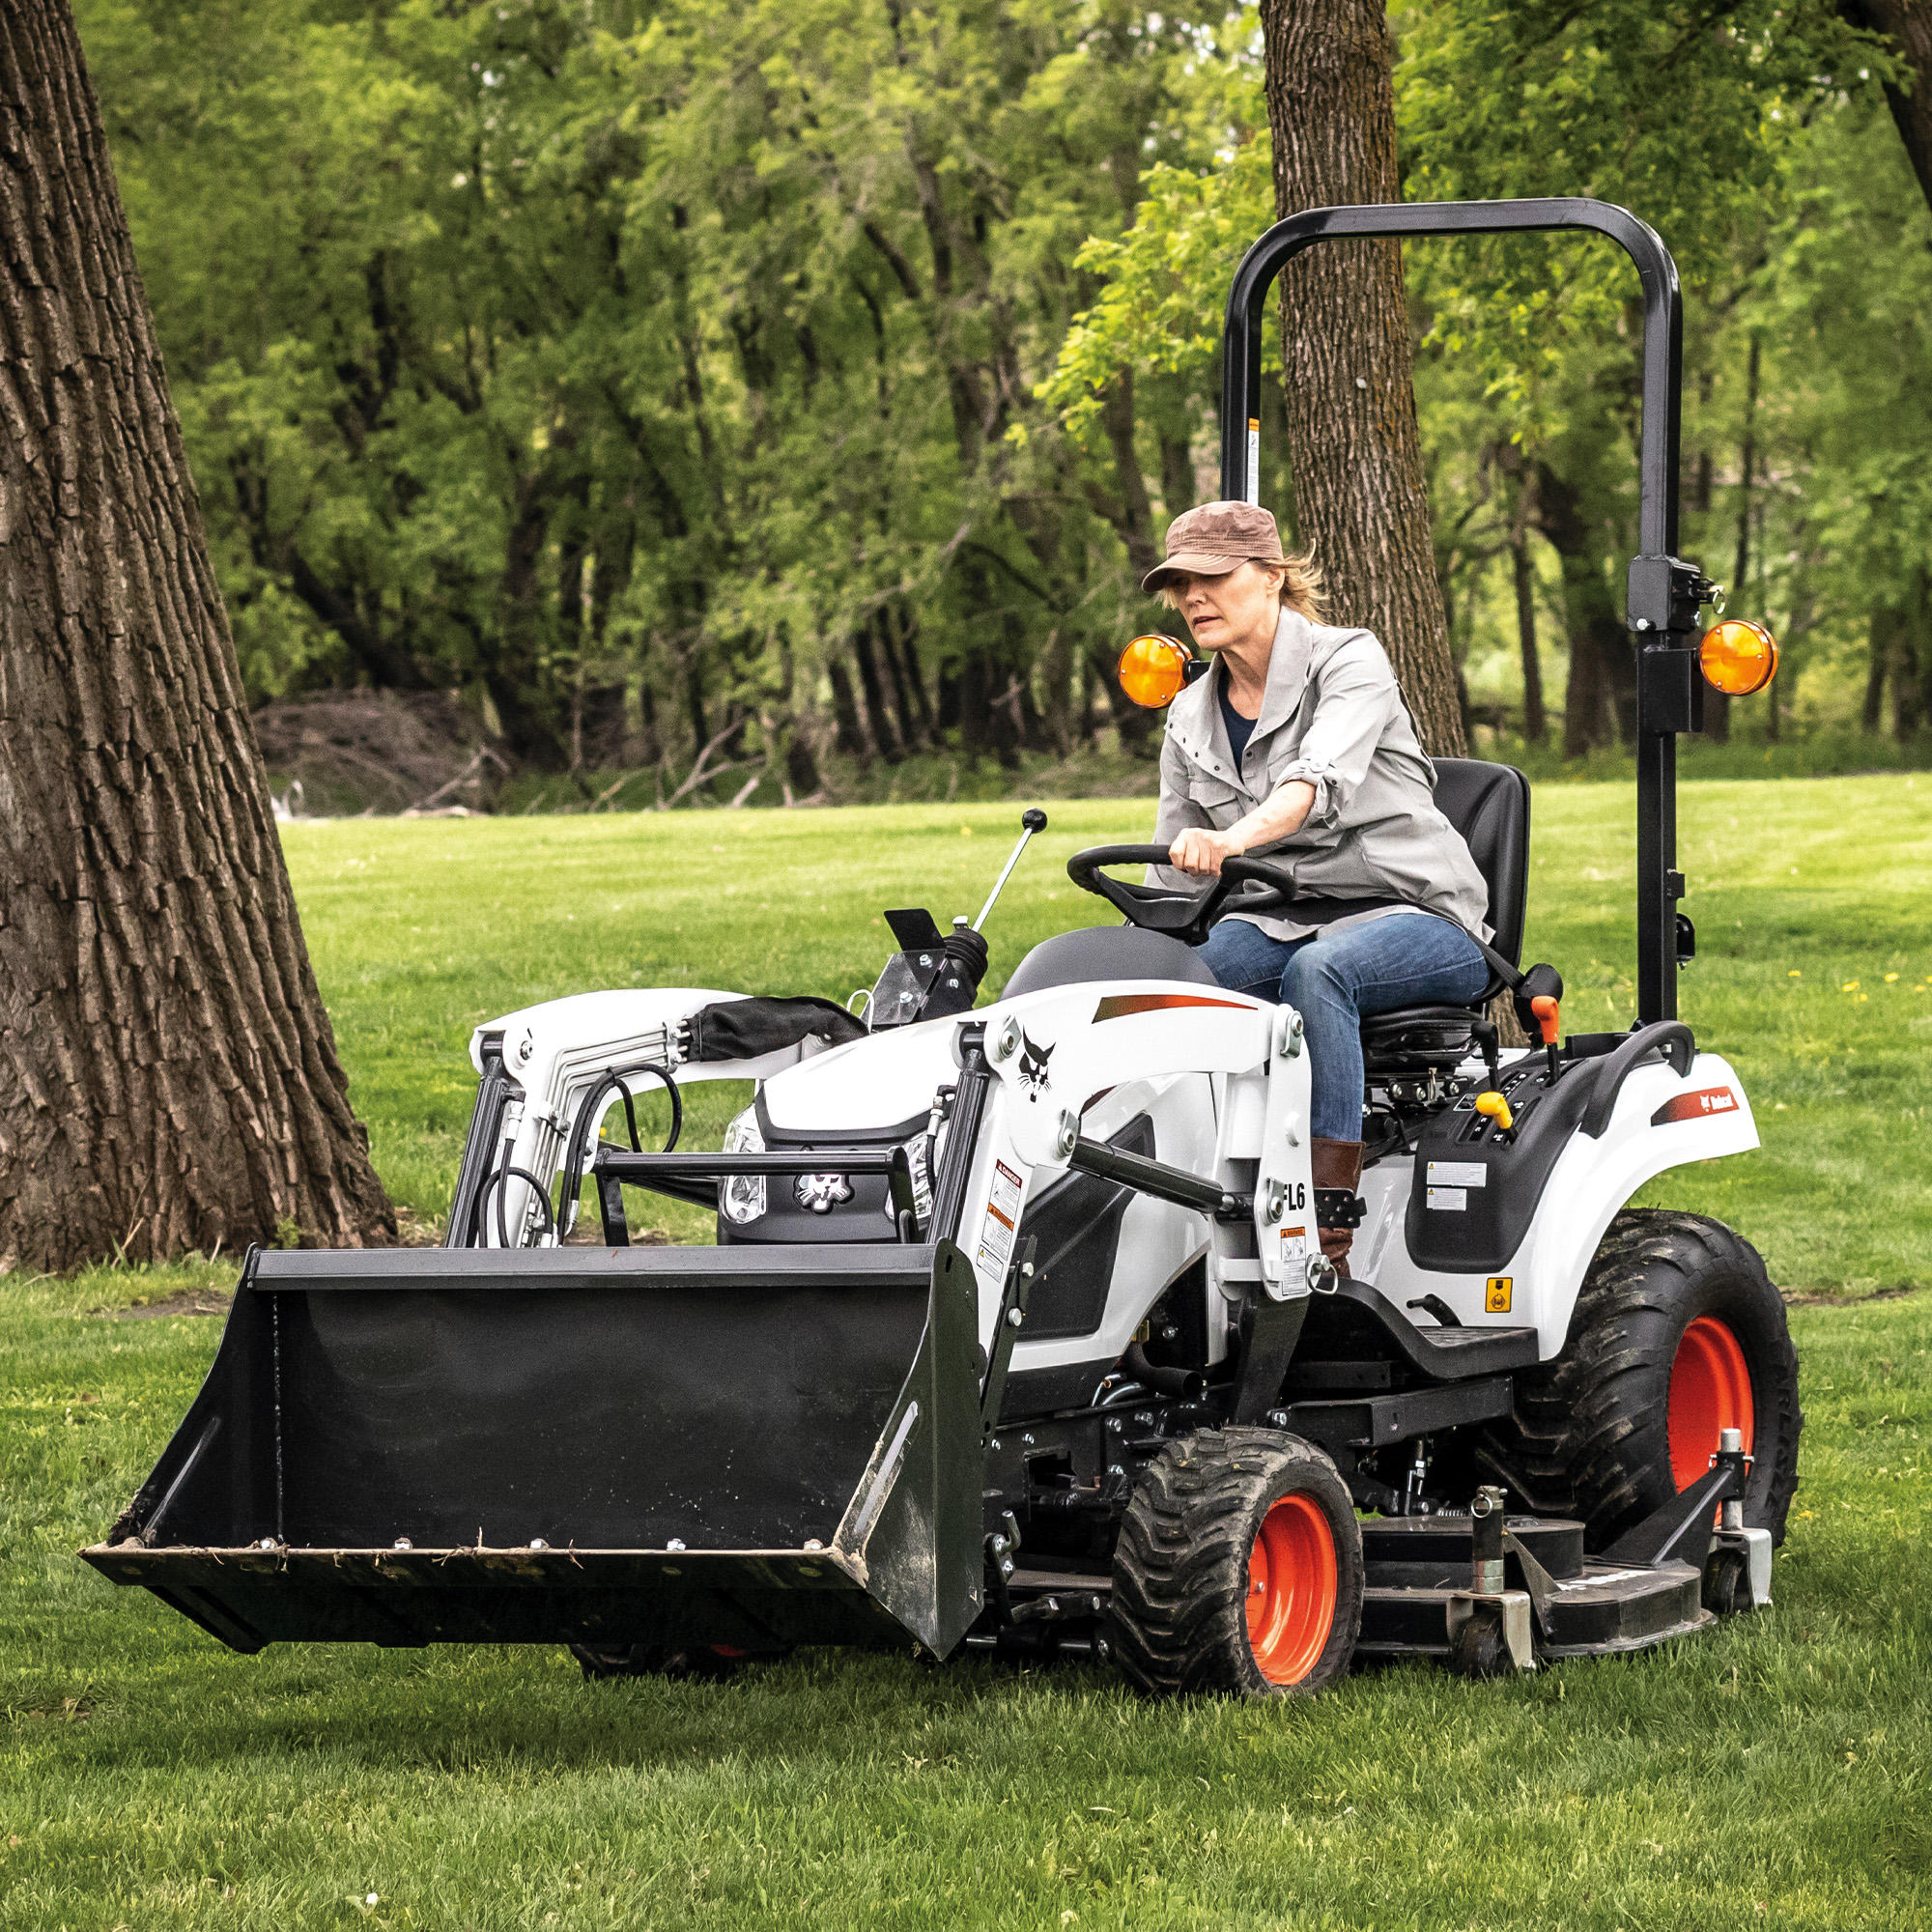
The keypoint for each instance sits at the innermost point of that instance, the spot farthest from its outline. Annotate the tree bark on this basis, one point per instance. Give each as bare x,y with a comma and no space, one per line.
1361,499
168,1076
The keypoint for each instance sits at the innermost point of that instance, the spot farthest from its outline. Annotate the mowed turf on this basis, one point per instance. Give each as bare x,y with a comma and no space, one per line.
1773,1774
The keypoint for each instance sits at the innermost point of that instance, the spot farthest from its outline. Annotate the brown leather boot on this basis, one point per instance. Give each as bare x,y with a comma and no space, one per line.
1338,1165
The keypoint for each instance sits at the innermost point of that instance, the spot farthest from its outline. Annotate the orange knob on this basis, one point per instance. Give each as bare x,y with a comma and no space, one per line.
1498,1109
1546,1016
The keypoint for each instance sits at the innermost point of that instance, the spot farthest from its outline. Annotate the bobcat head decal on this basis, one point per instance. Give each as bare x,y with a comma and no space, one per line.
1032,1066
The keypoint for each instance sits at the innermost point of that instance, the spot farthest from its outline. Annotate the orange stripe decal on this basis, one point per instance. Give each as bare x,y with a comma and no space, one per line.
1124,1005
1695,1106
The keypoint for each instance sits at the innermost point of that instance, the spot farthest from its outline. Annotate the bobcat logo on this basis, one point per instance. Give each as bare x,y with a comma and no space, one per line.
823,1192
1032,1066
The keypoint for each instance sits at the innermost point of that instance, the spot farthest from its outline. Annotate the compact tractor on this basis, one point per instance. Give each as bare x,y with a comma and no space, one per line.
1017,1333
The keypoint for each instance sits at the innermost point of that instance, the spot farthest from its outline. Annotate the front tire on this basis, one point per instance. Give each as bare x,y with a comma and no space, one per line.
1678,1334
1238,1569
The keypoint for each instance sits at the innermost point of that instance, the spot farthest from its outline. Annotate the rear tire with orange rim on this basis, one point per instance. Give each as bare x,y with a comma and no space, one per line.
1678,1334
1238,1569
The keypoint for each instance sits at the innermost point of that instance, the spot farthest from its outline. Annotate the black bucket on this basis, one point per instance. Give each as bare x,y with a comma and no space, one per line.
747,1447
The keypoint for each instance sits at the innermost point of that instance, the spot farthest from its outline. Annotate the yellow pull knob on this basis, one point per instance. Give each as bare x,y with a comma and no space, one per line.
1498,1109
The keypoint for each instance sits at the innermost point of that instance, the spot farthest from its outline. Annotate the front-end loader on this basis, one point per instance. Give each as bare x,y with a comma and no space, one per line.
1017,1333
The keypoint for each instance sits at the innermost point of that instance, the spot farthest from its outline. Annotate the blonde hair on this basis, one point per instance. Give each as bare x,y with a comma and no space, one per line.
1302,588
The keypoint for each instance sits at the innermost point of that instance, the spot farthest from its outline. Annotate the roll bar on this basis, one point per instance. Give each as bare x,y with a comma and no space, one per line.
1664,592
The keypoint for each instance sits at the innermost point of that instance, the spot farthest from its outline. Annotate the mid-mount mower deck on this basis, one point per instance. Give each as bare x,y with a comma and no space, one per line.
1018,1332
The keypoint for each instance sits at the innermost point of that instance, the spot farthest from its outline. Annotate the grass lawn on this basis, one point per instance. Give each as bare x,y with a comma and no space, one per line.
1774,1774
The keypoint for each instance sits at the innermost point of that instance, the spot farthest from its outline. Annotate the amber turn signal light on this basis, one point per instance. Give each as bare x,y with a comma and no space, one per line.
1153,670
1738,656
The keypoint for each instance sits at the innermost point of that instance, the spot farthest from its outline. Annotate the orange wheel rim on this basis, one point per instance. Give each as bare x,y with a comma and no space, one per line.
1709,1392
1290,1589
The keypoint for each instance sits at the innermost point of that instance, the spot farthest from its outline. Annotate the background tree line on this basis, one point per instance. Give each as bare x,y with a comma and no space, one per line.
721,389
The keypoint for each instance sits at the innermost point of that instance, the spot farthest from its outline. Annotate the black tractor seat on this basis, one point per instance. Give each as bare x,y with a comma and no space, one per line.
1489,805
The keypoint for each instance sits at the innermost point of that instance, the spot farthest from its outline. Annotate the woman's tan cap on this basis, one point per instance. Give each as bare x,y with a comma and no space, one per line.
1214,538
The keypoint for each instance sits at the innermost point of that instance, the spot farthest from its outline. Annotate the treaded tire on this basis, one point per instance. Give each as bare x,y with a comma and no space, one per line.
602,1661
1591,1434
1181,1562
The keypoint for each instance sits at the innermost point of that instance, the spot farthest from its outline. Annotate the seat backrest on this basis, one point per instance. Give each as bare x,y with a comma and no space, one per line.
1489,805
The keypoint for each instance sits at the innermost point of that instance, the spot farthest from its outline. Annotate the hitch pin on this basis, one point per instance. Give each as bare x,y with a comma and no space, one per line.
1032,820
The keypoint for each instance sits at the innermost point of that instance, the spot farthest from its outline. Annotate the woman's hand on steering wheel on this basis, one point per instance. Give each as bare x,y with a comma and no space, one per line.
1201,852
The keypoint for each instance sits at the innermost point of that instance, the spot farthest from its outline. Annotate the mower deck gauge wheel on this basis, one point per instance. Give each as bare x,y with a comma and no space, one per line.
1238,1569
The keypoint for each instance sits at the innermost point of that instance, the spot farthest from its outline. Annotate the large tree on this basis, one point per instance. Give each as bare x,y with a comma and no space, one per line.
169,1078
1361,500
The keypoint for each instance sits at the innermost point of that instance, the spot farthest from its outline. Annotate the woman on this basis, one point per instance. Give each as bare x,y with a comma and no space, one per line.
1297,742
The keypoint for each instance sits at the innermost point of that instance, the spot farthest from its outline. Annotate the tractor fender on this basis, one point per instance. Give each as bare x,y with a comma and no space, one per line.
1660,1120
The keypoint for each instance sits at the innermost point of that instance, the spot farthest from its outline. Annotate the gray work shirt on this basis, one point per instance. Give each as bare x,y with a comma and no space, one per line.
1333,714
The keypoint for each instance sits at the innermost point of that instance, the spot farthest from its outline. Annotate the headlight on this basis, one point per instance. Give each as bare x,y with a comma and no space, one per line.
921,1180
742,1198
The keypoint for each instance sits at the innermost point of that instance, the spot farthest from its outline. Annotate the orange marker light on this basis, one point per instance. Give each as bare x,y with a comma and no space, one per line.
1547,1018
1738,656
1498,1109
1153,670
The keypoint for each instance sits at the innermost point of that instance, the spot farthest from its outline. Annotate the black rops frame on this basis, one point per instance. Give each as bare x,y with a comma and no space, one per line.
1664,591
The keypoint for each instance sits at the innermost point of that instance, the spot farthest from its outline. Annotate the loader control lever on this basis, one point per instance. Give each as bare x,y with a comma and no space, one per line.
1549,1016
1032,819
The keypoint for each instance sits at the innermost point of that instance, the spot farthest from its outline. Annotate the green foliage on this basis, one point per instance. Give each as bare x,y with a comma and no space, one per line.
812,385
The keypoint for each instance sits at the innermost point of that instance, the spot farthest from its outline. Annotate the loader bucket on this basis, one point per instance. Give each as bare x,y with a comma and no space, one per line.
750,1447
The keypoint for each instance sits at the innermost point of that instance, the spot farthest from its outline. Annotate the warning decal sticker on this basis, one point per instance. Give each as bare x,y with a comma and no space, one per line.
1695,1106
1003,1213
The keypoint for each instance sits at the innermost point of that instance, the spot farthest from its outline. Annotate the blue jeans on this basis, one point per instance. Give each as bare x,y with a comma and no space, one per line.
1332,979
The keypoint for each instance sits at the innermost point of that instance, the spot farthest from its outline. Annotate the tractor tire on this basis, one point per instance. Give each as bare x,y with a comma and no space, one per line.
701,1662
1677,1333
1238,1569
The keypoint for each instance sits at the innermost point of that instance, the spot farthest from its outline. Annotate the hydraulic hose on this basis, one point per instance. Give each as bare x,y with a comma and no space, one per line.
588,1115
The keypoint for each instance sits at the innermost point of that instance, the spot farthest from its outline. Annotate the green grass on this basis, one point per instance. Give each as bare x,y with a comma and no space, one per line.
1774,1773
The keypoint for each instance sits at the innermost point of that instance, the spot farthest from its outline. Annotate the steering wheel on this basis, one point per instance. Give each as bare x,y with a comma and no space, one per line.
1180,915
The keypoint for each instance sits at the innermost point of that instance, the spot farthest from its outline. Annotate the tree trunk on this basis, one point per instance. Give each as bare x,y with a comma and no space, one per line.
884,734
168,1076
902,706
1717,706
1878,633
1535,722
1595,633
1909,25
850,734
1361,501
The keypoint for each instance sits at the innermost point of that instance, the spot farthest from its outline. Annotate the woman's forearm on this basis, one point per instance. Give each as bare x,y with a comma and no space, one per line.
1282,813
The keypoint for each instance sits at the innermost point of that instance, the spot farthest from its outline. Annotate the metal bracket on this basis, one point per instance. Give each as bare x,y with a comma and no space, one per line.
1269,1331
1541,1586
1515,1605
1680,1532
1755,1544
1005,1332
